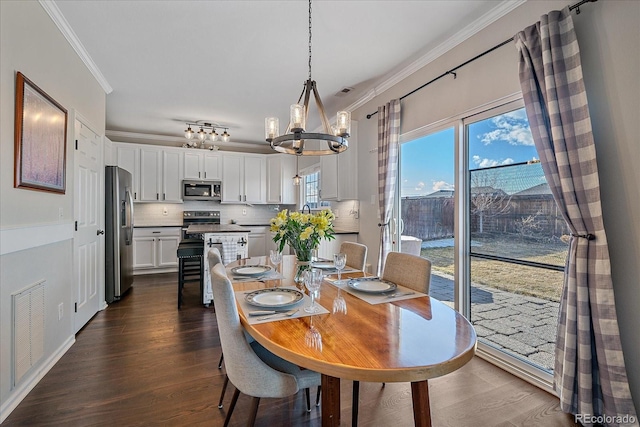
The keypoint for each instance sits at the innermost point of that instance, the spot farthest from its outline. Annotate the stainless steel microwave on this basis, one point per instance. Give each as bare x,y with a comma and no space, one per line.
201,190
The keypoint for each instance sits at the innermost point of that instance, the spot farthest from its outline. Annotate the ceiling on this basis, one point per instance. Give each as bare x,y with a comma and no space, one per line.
234,63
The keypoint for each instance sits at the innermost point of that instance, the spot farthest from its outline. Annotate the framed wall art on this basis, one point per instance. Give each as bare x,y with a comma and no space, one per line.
40,139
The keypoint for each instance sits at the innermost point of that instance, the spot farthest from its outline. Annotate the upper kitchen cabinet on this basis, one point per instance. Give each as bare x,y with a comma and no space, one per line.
160,175
202,165
339,173
280,172
244,178
128,158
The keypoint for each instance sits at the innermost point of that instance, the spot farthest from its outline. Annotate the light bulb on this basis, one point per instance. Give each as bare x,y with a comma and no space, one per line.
202,135
271,128
297,117
296,180
225,136
188,133
343,123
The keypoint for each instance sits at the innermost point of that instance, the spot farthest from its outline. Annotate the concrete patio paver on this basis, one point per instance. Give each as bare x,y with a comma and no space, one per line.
522,325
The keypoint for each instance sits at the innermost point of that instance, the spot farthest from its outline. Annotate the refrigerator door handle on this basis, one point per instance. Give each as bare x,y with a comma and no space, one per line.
129,220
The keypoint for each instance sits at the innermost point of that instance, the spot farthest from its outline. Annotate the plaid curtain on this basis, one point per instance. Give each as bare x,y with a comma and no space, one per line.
590,375
388,139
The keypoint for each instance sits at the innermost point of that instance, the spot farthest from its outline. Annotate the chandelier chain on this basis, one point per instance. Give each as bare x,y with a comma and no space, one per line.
309,39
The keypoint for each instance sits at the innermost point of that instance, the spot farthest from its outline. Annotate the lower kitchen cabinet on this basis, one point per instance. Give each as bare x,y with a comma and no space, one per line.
258,241
155,249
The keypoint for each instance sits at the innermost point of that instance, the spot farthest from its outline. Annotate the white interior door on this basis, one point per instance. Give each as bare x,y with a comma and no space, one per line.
89,214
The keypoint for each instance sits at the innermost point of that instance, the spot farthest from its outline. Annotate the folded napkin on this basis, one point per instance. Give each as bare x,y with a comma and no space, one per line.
229,251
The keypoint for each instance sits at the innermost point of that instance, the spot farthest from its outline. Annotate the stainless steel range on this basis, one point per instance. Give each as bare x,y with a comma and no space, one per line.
198,217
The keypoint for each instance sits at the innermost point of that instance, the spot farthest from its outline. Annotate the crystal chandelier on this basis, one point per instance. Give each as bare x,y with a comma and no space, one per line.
294,138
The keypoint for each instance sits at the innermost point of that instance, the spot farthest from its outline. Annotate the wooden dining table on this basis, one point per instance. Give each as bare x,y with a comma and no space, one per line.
411,340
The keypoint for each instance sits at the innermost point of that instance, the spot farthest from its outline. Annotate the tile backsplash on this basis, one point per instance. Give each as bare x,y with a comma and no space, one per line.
170,214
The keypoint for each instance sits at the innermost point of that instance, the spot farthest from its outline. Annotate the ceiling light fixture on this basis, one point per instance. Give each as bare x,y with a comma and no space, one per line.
202,134
297,179
294,138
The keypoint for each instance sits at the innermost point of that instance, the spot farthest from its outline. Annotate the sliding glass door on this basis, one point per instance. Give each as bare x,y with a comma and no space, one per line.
473,199
517,245
426,208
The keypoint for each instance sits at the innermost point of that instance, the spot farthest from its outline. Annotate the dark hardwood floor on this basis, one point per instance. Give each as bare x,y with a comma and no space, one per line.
142,362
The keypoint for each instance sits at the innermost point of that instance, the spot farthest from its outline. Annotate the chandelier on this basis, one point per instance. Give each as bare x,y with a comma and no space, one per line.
294,138
202,135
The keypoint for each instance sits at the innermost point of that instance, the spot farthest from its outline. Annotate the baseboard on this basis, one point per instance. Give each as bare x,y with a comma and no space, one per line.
155,271
20,392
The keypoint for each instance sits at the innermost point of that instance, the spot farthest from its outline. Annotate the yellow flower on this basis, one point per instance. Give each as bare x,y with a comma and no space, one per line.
306,233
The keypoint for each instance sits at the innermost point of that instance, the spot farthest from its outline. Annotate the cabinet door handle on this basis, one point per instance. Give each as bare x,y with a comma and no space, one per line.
164,196
240,197
157,196
205,174
135,196
245,197
155,232
198,174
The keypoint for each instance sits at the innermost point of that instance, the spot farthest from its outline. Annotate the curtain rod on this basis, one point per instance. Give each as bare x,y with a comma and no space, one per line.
453,70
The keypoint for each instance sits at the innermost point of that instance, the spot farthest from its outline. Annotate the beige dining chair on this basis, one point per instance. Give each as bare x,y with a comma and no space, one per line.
410,271
251,368
356,254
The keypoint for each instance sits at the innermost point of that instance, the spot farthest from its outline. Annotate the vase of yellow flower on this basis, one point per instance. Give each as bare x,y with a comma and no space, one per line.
303,232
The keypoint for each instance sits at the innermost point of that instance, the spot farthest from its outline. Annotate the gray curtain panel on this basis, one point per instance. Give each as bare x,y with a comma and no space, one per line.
590,375
388,140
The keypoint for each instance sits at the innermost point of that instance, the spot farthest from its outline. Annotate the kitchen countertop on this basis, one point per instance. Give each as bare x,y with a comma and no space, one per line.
217,228
157,226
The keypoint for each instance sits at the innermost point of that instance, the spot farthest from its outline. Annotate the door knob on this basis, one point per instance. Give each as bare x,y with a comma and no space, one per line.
99,232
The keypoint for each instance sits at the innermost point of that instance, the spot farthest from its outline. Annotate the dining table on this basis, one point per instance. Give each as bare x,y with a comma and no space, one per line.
410,339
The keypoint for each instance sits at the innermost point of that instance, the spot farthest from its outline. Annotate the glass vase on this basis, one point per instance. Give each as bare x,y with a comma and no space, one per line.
301,267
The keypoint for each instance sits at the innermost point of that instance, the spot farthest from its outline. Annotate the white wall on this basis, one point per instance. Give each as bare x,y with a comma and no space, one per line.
32,44
609,39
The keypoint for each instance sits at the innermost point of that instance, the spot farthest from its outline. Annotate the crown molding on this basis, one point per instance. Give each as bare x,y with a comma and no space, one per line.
58,18
467,32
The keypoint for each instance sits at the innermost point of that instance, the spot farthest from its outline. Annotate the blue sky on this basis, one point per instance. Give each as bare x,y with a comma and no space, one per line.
427,164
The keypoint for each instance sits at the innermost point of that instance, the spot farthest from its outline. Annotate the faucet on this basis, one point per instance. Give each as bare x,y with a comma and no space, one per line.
306,205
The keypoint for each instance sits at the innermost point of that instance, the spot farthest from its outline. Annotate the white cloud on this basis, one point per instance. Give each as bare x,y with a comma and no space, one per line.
487,163
442,185
512,128
420,186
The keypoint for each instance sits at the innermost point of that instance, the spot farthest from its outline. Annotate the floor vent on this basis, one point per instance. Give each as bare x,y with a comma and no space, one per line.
28,329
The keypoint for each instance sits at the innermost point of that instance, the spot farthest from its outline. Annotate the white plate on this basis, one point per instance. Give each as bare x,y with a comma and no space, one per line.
250,270
324,265
371,285
274,297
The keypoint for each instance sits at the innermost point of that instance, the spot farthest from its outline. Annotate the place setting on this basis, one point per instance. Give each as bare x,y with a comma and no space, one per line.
375,290
253,273
272,304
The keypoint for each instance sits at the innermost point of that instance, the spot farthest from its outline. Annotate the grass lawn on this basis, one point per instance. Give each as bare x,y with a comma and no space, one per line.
532,281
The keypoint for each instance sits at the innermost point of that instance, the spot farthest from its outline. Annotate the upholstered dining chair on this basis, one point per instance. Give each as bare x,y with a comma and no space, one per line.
356,254
251,368
410,271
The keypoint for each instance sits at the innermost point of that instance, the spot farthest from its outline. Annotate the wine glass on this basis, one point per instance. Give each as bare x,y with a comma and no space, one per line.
339,304
276,257
313,338
339,262
313,280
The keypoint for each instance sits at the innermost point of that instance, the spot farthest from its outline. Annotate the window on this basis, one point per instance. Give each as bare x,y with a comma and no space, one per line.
310,191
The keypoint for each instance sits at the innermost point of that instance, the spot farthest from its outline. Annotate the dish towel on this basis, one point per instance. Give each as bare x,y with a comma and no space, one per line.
229,251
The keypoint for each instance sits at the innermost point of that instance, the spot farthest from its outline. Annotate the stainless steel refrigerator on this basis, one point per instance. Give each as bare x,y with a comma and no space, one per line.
119,232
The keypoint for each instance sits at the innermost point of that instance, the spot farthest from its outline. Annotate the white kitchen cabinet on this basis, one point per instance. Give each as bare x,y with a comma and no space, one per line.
155,249
280,173
202,165
128,158
244,178
339,173
160,175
